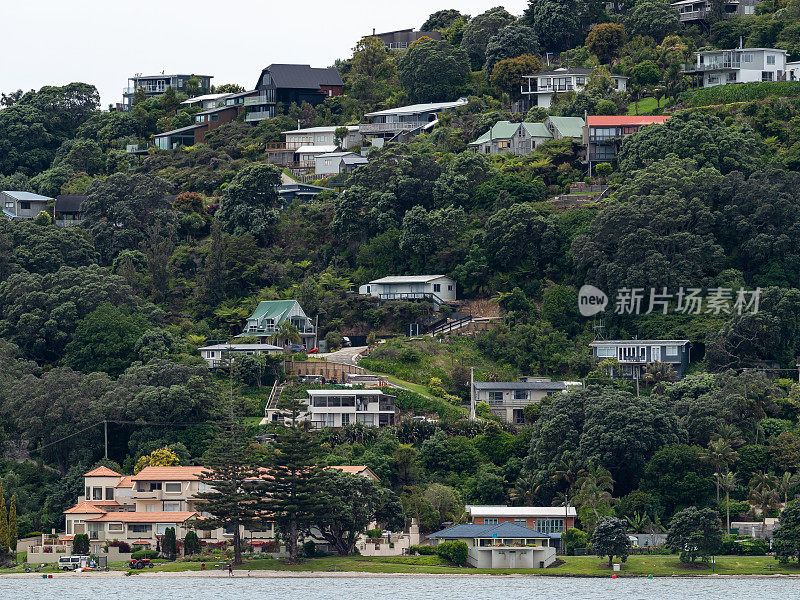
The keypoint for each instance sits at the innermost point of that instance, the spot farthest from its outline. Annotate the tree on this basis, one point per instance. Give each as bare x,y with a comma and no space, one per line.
105,340
557,23
610,538
233,479
249,202
80,544
677,478
786,538
654,18
26,145
507,74
340,134
229,88
480,30
169,544
290,492
441,19
191,544
786,483
349,503
574,538
728,484
646,73
13,525
605,40
594,489
764,494
719,455
4,531
155,343
695,532
163,457
433,71
510,42
444,499
285,332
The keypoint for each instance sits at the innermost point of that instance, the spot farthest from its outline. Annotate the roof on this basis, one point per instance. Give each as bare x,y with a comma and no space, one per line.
357,470
740,50
603,120
347,392
331,129
300,188
476,510
89,507
413,109
102,472
125,482
407,279
336,154
169,474
146,517
520,385
503,530
499,131
241,347
168,75
205,97
354,159
537,130
316,149
303,76
563,71
568,126
273,309
639,342
181,130
26,196
69,203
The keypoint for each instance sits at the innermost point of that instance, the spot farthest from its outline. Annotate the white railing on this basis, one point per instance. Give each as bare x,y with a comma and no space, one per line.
390,127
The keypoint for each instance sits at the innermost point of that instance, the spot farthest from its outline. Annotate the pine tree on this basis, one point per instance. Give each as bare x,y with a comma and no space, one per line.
289,492
231,471
169,544
3,520
13,525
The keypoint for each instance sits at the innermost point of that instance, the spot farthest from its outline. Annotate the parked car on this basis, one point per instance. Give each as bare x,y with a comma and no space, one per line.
70,563
140,563
296,348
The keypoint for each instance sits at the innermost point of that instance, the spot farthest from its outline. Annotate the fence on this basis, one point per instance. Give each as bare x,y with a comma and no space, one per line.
328,370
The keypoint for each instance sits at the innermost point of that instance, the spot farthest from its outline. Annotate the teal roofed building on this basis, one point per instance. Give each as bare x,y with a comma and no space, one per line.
268,316
515,138
565,127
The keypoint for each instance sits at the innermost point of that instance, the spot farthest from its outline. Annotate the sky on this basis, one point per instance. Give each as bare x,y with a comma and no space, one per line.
55,42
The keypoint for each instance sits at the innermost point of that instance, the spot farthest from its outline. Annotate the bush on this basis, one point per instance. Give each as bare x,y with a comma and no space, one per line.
422,550
80,543
151,554
374,533
124,547
453,552
309,549
575,538
191,543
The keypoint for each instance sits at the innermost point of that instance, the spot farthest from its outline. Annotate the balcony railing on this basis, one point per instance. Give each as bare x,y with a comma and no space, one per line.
390,127
283,146
263,98
258,115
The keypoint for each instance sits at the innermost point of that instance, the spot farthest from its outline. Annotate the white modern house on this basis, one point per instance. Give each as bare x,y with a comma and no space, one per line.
399,124
438,288
336,163
793,71
540,89
340,407
322,136
219,355
690,11
740,65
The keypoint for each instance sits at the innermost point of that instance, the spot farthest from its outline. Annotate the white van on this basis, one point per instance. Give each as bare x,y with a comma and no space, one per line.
70,563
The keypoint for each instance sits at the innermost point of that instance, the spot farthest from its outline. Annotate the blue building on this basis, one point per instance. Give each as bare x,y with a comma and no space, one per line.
634,355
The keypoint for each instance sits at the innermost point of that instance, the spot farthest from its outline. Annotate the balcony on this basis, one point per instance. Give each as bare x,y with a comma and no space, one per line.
258,115
287,146
390,127
147,495
263,98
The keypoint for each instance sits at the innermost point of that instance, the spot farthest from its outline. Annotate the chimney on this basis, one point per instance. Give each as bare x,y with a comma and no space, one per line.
373,31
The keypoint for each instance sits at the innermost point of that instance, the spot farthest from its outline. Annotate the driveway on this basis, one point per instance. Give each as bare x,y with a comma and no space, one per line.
345,356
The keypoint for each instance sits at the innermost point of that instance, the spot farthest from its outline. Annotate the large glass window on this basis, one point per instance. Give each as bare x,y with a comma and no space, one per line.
495,396
365,419
161,528
550,525
109,493
140,527
521,394
172,506
97,493
172,487
606,352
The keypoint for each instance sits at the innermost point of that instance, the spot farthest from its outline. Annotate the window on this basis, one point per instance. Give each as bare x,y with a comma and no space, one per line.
732,77
161,528
580,81
327,162
109,493
172,506
88,493
97,493
747,57
550,525
520,394
490,521
606,352
172,487
749,10
140,527
365,419
321,138
437,287
345,419
770,59
672,351
212,354
521,521
215,117
115,527
766,75
369,289
495,396
24,205
519,416
9,205
449,288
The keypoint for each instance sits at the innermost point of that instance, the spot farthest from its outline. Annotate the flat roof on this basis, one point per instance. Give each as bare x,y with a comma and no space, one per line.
316,149
205,97
477,510
407,279
418,108
348,392
615,120
520,385
241,347
638,342
330,129
181,130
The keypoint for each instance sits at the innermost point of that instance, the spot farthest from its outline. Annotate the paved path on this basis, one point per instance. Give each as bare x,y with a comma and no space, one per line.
346,356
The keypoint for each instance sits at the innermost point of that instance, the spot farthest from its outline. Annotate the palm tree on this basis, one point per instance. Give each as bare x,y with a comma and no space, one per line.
285,331
731,434
568,470
594,488
728,483
638,522
719,455
764,494
785,483
658,372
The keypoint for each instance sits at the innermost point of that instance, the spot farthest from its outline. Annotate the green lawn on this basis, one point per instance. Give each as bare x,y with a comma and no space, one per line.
647,106
587,566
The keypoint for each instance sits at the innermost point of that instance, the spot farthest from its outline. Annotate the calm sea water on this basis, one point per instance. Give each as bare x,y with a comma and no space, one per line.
397,588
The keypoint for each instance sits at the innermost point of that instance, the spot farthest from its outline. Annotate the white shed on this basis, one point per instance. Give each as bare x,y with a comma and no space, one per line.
439,288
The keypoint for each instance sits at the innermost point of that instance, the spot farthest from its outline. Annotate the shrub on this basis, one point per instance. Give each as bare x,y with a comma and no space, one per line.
422,550
124,547
453,552
575,538
144,554
169,544
191,543
80,544
374,533
309,549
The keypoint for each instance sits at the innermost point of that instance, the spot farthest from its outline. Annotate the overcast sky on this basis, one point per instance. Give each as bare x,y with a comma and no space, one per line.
54,42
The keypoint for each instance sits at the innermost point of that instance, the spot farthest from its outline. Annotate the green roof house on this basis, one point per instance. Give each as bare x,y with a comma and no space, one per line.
515,138
569,127
269,314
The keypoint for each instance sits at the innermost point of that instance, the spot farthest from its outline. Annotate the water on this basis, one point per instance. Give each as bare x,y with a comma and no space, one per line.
395,588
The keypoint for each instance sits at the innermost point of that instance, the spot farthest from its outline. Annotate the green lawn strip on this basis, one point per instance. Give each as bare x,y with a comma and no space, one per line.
647,106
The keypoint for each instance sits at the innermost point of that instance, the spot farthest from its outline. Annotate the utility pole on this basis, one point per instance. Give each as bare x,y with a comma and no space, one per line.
105,432
472,393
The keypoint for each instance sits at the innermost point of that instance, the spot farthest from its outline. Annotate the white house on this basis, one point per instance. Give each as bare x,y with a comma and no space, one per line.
740,65
508,399
438,288
539,89
401,123
322,136
218,355
340,407
336,163
793,71
22,205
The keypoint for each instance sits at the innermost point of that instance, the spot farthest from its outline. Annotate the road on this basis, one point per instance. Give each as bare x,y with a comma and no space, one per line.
346,356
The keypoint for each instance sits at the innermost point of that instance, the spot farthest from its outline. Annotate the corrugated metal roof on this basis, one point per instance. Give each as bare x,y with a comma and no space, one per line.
520,385
27,196
316,149
273,309
406,279
331,129
568,126
537,130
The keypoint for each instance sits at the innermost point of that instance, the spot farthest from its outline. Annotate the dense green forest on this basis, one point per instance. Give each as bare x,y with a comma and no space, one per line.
102,321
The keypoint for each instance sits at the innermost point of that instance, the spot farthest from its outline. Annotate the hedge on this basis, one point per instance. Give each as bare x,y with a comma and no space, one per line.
144,554
743,92
453,552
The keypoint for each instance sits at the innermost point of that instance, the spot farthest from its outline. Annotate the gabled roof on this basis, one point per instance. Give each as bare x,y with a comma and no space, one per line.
407,279
639,342
303,76
27,196
568,126
520,385
357,470
414,109
89,507
503,530
497,510
146,517
102,472
169,474
125,482
69,203
273,309
502,130
537,130
615,121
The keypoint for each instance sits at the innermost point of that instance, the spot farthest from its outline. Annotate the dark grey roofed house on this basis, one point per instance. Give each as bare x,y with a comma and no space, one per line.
22,205
403,38
634,355
289,192
508,399
68,209
287,83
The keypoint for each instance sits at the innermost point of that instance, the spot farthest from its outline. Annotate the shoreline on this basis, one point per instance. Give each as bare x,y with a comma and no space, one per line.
273,574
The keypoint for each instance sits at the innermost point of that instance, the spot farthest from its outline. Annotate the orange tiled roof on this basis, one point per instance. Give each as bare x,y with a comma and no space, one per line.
145,517
88,507
356,470
125,482
611,121
102,472
169,474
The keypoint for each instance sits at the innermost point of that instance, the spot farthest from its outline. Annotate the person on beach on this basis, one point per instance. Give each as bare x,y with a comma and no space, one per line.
230,569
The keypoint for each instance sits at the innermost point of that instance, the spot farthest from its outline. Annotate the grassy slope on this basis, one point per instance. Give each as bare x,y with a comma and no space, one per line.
647,106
